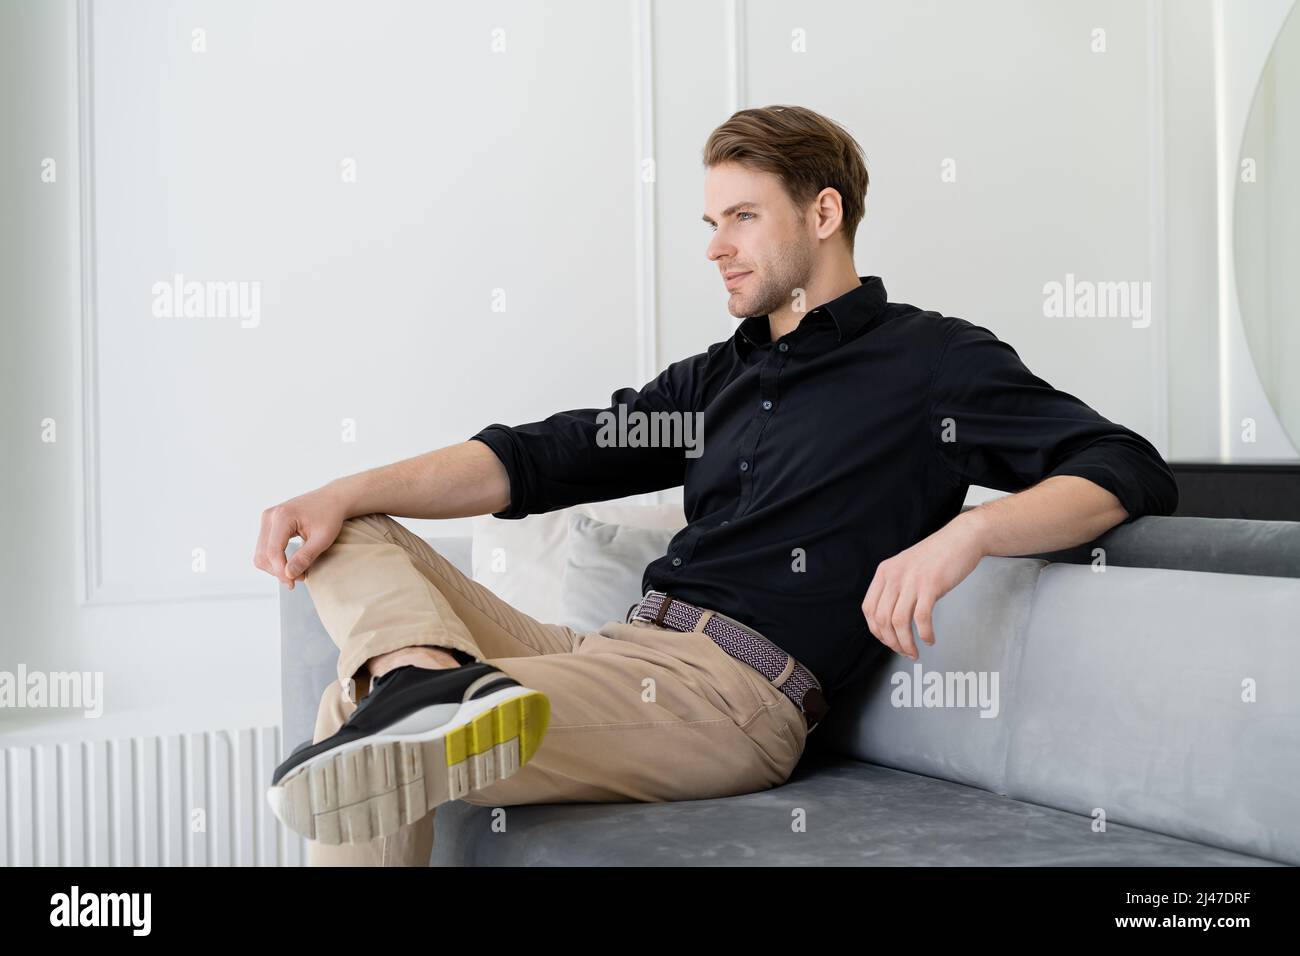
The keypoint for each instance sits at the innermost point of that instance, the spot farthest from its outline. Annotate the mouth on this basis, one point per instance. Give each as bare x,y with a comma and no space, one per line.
734,279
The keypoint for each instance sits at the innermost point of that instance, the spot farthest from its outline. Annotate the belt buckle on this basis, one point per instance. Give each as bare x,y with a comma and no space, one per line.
658,617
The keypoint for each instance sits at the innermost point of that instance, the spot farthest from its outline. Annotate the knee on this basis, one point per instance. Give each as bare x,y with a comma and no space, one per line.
371,527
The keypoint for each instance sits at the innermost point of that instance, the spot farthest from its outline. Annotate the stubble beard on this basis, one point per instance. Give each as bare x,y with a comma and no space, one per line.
790,270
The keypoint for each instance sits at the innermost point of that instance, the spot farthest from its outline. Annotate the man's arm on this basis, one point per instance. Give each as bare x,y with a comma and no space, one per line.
998,425
458,481
1058,512
509,472
578,455
453,482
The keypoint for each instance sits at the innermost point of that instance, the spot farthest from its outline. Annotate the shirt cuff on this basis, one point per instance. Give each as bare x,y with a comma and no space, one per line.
501,441
1142,482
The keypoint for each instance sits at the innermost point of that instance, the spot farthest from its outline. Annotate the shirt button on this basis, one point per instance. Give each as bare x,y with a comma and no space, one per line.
727,521
677,562
744,466
767,404
784,346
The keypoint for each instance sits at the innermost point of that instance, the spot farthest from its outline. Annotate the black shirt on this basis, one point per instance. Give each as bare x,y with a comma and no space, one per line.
844,442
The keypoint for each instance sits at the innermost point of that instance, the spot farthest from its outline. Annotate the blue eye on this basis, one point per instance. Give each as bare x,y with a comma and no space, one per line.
714,228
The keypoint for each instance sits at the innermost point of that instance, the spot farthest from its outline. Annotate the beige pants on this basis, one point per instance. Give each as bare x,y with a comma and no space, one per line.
638,712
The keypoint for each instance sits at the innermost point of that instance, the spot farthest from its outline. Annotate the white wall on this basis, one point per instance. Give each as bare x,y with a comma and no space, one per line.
1190,172
1052,150
477,171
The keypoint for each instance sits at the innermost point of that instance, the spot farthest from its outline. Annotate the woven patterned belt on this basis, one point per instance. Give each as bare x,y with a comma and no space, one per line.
742,643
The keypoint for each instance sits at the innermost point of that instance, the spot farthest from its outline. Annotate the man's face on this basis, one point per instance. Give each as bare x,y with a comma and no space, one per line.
757,232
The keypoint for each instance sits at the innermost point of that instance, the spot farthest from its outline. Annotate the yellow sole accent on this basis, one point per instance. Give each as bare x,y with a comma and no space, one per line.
524,717
373,790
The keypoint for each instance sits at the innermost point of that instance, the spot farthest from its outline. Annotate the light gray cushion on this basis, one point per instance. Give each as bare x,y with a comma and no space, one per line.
521,560
603,570
1129,698
856,814
978,629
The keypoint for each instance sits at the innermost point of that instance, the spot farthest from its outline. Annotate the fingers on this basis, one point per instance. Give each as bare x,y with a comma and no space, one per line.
871,603
260,548
277,541
924,617
901,621
277,529
890,607
316,518
302,558
884,616
872,599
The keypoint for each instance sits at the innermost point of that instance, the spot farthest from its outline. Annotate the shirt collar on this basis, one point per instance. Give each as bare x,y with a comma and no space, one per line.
851,313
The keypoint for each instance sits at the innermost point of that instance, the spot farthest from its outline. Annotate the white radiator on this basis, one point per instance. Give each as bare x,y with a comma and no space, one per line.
180,800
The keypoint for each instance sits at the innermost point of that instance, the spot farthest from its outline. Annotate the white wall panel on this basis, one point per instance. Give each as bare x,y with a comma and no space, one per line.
475,171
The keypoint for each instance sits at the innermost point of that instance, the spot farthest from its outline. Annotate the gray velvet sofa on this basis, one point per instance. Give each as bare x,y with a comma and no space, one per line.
1147,713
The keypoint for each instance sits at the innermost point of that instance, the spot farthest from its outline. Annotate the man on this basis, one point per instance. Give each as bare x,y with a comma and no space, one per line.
841,434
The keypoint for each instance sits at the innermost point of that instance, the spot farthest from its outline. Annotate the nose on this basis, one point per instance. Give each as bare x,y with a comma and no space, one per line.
720,247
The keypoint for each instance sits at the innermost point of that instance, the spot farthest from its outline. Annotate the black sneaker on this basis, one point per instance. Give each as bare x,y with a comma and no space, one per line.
421,737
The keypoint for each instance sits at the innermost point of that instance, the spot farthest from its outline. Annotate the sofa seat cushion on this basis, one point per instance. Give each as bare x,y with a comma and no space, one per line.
856,814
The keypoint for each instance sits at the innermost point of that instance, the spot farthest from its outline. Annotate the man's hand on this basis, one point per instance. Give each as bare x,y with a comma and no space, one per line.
458,481
1059,512
906,586
316,517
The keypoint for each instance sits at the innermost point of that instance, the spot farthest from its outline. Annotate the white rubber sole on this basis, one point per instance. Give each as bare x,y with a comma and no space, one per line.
371,787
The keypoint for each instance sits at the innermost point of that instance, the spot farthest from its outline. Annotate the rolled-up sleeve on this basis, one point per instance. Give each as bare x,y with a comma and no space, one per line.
997,425
583,454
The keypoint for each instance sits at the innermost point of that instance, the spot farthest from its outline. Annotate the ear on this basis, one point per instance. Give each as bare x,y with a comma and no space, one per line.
829,209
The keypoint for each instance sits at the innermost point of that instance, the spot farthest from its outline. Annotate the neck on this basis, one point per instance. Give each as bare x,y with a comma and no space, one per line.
822,288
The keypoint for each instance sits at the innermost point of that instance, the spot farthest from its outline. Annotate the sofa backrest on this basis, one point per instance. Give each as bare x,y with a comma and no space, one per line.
1224,545
1164,699
1153,697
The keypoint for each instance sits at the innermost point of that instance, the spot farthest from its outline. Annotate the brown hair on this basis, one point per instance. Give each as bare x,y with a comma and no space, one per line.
805,149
